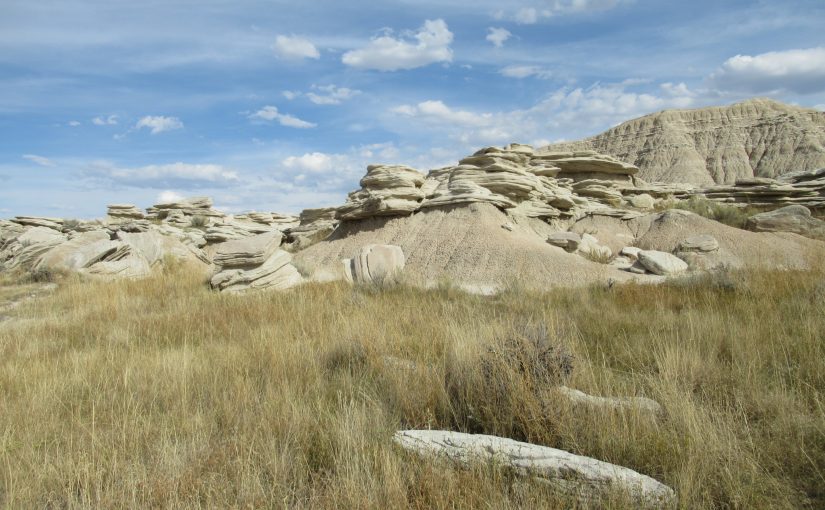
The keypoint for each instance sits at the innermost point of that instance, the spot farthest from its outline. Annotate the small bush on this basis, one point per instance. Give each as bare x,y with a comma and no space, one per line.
199,222
731,215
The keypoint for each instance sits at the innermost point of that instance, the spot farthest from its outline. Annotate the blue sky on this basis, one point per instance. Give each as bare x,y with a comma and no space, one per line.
279,106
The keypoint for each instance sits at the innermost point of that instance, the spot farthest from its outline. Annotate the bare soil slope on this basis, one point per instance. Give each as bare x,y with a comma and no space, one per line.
718,145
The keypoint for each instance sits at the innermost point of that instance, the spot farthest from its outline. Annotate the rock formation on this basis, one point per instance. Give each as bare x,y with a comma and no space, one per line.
793,218
583,478
718,145
375,264
254,263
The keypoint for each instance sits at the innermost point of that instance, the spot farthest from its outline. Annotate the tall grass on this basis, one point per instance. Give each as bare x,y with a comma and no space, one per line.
163,393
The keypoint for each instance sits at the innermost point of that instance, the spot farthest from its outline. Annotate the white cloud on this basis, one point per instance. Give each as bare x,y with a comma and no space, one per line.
820,107
295,48
524,71
270,113
159,124
111,120
387,53
438,112
315,162
331,94
290,95
168,196
800,71
74,123
162,176
544,10
566,113
38,160
526,16
498,36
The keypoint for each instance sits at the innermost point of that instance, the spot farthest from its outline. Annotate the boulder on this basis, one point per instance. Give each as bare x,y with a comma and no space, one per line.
569,241
662,263
700,243
642,201
375,264
610,403
583,478
79,252
793,218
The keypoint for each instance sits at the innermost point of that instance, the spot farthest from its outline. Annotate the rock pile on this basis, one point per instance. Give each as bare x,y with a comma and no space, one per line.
314,225
182,213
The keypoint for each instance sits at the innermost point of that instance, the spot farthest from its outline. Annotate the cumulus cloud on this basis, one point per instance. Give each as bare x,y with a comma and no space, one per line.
271,113
168,196
38,160
524,71
159,124
314,162
74,123
295,48
387,53
800,71
111,120
163,176
498,36
330,94
564,114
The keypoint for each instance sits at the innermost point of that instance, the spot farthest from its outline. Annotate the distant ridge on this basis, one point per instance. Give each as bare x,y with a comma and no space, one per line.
717,145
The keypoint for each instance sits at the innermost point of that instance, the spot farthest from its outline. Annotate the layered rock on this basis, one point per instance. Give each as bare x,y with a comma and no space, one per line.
314,225
121,212
182,213
718,145
39,221
375,264
254,263
386,190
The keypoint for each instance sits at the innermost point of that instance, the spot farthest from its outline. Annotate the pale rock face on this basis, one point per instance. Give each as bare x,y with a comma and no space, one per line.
568,241
386,190
662,263
314,225
123,212
276,273
131,267
39,221
79,252
584,478
642,201
375,264
793,218
591,247
755,138
24,250
700,243
630,252
251,251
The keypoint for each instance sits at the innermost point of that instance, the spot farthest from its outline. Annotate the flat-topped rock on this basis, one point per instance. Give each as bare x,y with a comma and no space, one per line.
662,263
127,211
39,221
386,190
700,243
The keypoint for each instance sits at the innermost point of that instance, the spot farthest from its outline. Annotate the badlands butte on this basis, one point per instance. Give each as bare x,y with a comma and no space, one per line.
613,208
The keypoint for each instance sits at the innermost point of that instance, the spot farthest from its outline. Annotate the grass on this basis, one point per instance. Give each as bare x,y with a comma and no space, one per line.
162,393
731,215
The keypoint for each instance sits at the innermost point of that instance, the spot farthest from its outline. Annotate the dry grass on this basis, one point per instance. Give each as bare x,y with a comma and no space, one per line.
161,393
731,215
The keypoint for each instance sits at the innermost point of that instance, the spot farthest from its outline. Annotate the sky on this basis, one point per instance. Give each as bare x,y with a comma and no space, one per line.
271,105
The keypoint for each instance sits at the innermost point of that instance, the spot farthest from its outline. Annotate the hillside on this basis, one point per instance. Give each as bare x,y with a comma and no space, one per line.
718,145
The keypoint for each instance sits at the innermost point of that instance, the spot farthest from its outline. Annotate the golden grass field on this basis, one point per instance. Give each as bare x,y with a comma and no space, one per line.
162,393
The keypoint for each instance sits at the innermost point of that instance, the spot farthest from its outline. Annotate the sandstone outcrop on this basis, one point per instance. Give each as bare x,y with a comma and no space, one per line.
375,264
314,225
793,218
718,145
256,262
583,478
182,213
386,190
